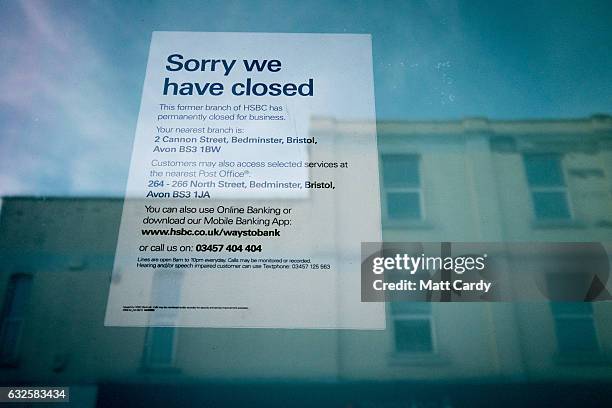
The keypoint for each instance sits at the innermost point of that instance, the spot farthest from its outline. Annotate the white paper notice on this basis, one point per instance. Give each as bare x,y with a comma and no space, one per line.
253,182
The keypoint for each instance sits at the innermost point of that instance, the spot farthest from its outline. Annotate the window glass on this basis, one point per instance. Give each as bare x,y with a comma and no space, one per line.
410,308
550,205
412,325
413,335
493,124
574,327
404,205
160,347
13,317
402,183
401,170
544,170
547,183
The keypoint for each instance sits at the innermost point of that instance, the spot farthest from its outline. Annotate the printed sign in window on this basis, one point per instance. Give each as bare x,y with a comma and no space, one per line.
253,182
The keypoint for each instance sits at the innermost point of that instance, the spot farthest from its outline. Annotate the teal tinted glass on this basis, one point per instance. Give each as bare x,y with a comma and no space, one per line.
493,123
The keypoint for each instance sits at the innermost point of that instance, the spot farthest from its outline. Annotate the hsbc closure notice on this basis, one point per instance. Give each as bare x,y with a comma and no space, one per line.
252,184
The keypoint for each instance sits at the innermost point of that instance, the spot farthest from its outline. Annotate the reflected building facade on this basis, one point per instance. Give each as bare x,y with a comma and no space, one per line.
472,180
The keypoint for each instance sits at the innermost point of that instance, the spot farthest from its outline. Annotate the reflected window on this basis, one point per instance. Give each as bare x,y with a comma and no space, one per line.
412,325
574,327
160,347
402,187
547,185
160,344
13,317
